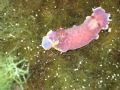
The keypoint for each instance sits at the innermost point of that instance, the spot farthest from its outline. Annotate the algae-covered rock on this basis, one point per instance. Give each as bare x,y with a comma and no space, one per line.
3,4
96,66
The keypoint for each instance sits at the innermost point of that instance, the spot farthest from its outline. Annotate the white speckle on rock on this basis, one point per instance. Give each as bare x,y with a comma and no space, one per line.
45,25
6,52
36,15
10,35
33,41
83,87
71,86
14,10
65,87
55,6
65,79
118,10
48,76
17,24
76,69
25,48
84,80
5,14
109,50
109,30
100,65
21,40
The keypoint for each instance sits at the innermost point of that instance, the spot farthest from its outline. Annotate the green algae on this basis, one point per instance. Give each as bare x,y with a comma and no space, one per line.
96,66
12,70
3,4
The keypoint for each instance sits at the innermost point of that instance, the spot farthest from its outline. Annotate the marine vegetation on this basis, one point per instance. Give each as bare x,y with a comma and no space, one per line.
13,71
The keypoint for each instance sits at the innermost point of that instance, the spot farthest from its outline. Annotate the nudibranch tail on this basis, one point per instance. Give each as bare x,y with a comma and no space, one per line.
102,17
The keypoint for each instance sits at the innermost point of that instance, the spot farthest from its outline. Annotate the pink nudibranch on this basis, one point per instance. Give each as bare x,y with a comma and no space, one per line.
77,36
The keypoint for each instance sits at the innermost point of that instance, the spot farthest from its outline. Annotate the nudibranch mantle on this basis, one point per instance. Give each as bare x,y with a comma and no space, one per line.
77,36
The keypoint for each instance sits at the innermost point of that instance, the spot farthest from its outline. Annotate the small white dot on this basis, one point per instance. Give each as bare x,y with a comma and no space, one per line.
55,6
5,14
109,30
100,65
76,69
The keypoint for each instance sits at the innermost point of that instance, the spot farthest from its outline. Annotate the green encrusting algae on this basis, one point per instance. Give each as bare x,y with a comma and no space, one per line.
13,69
23,23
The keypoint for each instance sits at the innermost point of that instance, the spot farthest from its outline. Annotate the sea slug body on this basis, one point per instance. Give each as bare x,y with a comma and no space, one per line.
77,36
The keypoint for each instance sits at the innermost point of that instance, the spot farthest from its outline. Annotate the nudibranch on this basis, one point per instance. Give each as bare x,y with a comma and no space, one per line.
77,36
